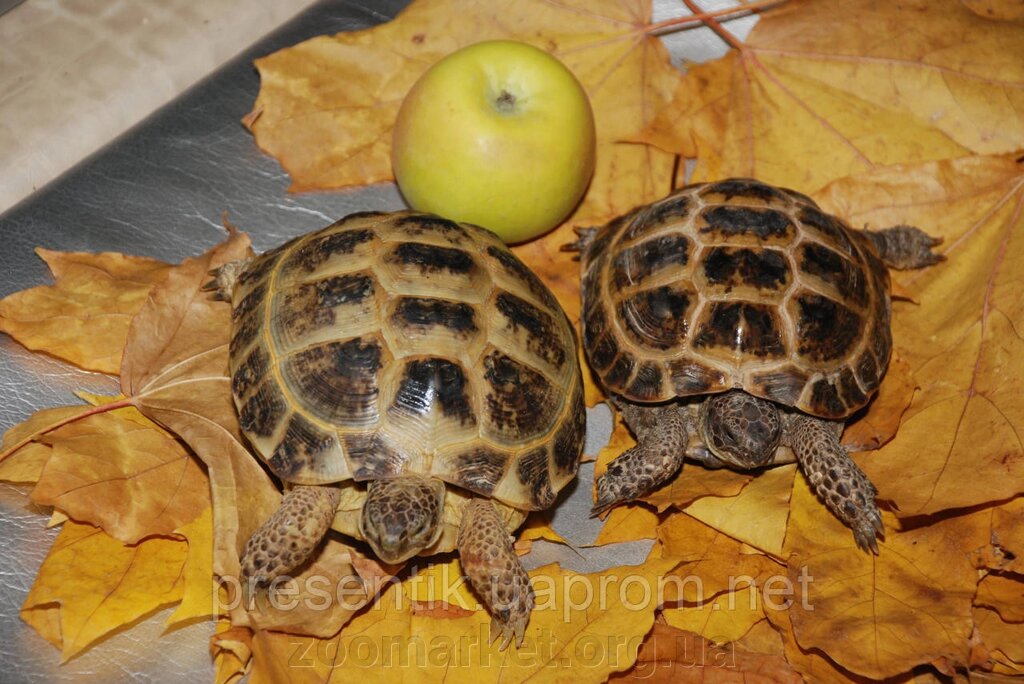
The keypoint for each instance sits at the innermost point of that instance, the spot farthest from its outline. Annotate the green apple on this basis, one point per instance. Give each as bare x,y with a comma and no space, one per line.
499,134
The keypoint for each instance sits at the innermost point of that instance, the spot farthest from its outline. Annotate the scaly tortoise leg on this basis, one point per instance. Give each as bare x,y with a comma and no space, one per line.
904,247
661,435
224,279
495,571
289,537
835,478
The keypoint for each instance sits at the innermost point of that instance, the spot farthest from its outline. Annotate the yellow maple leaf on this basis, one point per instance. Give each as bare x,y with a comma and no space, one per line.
92,585
723,619
920,586
1003,594
1004,637
628,523
757,515
326,106
822,90
711,562
231,648
583,628
82,318
199,600
959,444
671,655
1005,10
878,425
132,480
814,664
23,458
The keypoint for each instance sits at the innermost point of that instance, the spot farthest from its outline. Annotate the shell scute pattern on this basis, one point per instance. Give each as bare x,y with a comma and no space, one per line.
403,342
760,290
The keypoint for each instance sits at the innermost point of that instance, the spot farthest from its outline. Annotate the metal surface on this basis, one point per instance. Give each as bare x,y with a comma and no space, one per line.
160,191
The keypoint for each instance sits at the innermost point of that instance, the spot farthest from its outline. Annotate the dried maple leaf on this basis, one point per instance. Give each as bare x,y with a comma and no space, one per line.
920,587
132,480
83,317
879,424
199,599
175,370
22,457
673,655
231,649
538,526
959,444
1004,10
1004,594
583,628
1006,539
814,664
1002,637
723,619
711,562
821,90
757,515
326,106
628,523
92,585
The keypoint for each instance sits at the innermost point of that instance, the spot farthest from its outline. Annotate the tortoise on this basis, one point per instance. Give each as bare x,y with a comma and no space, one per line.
738,325
415,385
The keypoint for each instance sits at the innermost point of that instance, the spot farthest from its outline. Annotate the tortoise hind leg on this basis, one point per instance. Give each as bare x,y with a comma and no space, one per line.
495,571
661,435
835,478
903,247
287,539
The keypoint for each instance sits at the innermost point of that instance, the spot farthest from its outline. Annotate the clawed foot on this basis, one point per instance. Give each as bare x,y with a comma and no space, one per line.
509,620
639,471
904,247
608,492
868,529
223,279
255,596
495,571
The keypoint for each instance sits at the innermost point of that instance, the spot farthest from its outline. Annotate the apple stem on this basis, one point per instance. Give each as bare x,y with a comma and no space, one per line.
506,102
708,18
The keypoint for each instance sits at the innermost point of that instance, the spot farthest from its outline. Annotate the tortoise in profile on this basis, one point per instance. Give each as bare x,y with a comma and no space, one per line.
415,385
737,324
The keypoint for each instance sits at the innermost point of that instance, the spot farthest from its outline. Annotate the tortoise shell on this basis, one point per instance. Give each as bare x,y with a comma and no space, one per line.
402,342
737,284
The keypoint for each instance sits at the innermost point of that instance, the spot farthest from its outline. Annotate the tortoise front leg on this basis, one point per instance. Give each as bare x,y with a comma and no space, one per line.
495,571
224,279
835,478
287,539
661,436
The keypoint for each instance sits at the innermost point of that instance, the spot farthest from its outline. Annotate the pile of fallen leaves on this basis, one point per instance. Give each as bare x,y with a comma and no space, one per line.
886,113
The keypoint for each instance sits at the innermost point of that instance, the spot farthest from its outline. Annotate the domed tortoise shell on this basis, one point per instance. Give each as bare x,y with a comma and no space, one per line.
402,342
737,284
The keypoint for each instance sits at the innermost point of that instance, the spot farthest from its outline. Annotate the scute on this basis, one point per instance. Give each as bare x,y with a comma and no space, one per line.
405,342
752,286
336,382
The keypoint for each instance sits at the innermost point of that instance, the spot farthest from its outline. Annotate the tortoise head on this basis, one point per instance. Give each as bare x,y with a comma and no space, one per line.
740,430
402,516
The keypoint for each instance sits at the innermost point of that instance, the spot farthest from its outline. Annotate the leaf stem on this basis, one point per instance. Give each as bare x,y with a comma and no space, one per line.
701,17
710,20
91,411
